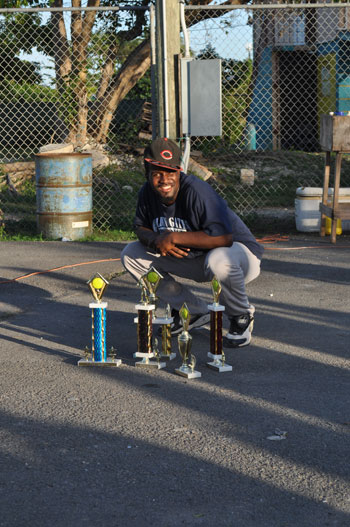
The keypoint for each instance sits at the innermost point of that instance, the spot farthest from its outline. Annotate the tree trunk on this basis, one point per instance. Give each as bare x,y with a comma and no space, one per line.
81,29
62,59
132,70
108,70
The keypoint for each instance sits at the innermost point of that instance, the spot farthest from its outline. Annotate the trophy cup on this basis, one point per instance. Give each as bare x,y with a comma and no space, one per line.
97,285
148,283
184,342
166,322
216,311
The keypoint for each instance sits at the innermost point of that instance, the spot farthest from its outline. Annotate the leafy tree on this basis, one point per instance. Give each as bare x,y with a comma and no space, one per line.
13,68
99,57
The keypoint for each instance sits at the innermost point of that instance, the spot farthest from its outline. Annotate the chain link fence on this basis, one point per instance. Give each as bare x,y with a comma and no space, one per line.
282,68
68,79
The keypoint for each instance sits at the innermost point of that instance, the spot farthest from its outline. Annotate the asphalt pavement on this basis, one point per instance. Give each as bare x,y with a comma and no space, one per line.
266,445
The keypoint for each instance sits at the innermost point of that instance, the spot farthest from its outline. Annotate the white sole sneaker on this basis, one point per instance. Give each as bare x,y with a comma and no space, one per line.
197,321
234,340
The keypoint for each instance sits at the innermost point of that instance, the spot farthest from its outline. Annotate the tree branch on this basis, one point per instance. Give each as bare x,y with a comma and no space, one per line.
192,16
132,70
63,62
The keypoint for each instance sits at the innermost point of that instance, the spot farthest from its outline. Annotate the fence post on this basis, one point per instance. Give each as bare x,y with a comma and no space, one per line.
168,49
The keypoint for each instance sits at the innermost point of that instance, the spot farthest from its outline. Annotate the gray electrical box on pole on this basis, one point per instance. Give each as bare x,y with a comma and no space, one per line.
201,106
167,53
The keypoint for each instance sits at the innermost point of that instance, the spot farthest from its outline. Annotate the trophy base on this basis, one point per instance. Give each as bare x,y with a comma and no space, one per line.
101,364
217,363
218,366
188,374
216,307
171,356
146,363
163,321
141,355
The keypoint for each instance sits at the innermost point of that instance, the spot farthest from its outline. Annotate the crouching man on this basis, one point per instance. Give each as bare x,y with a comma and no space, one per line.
186,230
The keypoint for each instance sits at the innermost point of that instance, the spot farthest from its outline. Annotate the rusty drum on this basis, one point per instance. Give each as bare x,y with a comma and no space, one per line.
64,195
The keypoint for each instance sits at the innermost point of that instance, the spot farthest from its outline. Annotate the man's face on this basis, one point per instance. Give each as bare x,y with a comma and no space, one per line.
165,184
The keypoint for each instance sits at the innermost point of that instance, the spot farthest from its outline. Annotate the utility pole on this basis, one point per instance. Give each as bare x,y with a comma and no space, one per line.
167,56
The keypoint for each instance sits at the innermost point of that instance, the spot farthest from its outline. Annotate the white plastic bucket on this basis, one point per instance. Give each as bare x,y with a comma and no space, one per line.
307,207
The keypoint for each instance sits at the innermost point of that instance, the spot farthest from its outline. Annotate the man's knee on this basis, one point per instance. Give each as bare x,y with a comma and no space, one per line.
220,261
127,254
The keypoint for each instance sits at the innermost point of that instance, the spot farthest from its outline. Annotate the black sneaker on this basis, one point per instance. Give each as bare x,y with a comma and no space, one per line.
240,332
196,321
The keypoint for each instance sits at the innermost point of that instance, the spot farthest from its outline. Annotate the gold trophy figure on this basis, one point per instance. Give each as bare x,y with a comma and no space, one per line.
216,311
185,342
97,285
158,355
151,281
165,323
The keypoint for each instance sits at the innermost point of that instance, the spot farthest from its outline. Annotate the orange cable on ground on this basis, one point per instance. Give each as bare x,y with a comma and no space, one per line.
308,247
266,239
273,238
284,238
58,269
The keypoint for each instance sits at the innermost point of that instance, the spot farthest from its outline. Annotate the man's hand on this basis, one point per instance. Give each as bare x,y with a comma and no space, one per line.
165,245
179,244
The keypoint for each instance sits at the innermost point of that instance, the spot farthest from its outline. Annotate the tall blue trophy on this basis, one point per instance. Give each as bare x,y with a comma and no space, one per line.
97,356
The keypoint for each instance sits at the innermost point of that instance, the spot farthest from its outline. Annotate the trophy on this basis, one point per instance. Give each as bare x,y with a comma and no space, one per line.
166,322
216,310
158,355
148,284
184,342
151,281
98,355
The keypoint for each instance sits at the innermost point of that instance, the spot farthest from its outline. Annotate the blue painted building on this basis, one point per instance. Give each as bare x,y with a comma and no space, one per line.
301,71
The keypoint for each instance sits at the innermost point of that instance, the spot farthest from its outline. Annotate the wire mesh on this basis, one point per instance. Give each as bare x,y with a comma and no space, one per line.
282,68
61,86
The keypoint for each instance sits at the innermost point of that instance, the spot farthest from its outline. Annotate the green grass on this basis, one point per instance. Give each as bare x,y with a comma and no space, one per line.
115,235
23,236
113,207
115,192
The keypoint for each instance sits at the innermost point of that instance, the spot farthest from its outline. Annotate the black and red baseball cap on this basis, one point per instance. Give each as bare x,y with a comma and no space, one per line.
163,152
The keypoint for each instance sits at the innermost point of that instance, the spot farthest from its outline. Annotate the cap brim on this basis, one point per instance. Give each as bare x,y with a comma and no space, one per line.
162,165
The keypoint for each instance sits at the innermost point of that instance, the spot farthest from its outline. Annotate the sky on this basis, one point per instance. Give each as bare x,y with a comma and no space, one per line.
230,35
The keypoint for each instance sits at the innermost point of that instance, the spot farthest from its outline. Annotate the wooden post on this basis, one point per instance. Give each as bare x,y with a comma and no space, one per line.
168,50
327,171
276,107
338,160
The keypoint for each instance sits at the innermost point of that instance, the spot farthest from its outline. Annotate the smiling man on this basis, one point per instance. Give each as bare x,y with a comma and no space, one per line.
186,230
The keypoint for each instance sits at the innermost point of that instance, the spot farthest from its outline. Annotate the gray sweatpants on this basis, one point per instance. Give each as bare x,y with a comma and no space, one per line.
234,267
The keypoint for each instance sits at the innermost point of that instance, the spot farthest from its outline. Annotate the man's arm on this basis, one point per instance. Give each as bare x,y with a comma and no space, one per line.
154,240
147,236
178,244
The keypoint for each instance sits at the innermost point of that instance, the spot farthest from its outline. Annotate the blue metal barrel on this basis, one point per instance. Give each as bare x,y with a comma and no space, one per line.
64,195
